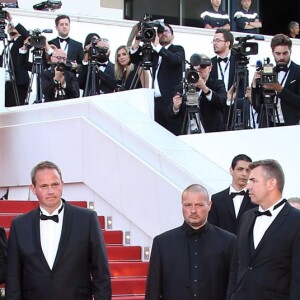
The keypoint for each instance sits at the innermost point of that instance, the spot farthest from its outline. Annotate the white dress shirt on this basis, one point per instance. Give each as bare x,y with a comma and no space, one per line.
50,232
237,200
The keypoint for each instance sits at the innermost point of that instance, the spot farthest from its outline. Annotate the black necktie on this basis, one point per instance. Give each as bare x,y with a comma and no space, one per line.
225,59
267,212
64,40
53,218
233,194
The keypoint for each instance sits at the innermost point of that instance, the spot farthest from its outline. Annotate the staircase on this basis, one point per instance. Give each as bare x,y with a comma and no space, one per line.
128,271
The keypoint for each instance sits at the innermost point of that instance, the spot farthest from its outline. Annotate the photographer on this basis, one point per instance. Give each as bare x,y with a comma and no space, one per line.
167,62
211,98
286,88
17,34
96,55
57,82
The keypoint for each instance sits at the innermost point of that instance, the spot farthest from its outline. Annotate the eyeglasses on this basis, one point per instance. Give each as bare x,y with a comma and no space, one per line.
217,41
103,40
60,57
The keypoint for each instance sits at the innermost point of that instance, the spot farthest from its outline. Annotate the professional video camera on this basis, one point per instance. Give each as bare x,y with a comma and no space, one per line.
37,40
147,27
48,5
268,75
3,15
97,53
244,48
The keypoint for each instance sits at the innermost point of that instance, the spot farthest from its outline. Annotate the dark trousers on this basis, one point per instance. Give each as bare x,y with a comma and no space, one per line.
161,116
10,99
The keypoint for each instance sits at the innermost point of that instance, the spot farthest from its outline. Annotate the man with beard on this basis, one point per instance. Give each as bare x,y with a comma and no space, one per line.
9,59
286,89
229,204
167,61
97,75
191,261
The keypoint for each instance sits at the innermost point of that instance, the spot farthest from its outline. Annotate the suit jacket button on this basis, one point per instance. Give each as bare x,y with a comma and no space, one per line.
250,268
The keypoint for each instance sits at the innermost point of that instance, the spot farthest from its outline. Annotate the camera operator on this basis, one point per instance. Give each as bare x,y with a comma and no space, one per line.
96,52
211,97
287,86
167,67
17,34
59,83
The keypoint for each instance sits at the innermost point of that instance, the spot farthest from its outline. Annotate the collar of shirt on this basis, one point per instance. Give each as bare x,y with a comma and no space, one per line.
54,213
191,231
233,190
271,208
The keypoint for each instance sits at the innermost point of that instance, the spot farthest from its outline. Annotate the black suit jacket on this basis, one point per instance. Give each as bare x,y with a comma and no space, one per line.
80,268
49,86
3,254
211,111
75,49
105,81
273,271
170,69
170,269
222,213
289,96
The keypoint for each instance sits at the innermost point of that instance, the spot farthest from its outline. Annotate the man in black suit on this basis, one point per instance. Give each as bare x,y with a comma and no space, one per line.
193,260
3,255
167,61
17,34
211,102
268,240
57,251
59,83
97,75
286,91
228,66
73,48
229,204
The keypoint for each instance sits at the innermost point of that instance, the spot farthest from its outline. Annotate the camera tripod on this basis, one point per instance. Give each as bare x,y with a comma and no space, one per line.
239,113
191,120
37,68
92,80
268,111
7,64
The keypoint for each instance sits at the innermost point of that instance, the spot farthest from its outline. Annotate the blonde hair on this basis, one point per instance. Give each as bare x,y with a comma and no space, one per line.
119,69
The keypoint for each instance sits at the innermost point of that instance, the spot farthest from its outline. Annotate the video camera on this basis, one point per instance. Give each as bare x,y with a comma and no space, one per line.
191,95
97,53
36,39
147,28
48,5
244,48
268,75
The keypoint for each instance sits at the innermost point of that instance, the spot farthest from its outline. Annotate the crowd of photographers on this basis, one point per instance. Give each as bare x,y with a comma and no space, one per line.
198,95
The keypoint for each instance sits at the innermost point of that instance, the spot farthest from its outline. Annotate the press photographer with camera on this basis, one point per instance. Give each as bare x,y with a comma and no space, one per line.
58,82
285,86
17,34
97,73
167,62
211,97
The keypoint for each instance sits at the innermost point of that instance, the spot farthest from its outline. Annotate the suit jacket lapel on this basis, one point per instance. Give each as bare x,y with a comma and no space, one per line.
272,228
36,233
65,233
229,204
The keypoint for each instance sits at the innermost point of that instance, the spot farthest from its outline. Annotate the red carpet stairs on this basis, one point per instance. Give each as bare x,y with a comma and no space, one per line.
128,271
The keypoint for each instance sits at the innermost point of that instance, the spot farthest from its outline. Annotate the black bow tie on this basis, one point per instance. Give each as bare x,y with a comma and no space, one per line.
53,218
267,212
233,194
225,59
63,40
102,64
281,67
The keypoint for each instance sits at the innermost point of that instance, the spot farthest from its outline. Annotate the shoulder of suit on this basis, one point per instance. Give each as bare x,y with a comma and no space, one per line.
170,233
220,194
222,233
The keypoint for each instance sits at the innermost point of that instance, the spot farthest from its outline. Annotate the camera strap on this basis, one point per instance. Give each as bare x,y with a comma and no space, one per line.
221,70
